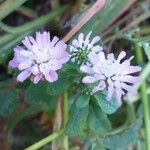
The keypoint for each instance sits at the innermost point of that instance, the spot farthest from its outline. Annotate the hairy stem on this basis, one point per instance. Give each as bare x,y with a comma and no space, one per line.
65,119
144,99
44,141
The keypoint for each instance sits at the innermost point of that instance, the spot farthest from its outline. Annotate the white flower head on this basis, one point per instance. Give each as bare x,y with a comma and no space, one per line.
81,47
40,57
111,74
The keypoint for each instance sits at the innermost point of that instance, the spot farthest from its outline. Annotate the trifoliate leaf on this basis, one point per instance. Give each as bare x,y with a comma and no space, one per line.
98,121
77,120
123,139
83,100
108,107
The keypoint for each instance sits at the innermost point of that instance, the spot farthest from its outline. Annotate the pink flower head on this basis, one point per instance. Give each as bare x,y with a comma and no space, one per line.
41,57
111,74
81,47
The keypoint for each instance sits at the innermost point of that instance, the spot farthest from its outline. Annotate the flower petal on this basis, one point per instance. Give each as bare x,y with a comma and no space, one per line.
23,75
80,39
51,76
37,78
101,86
132,69
89,79
86,69
95,40
129,88
97,49
121,56
110,89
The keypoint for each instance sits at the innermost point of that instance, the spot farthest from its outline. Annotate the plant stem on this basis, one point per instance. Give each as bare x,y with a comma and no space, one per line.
65,119
144,99
146,114
40,21
44,141
57,121
9,6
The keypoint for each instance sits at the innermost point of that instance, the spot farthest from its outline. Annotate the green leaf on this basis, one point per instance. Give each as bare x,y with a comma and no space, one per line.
77,120
36,94
108,107
83,100
123,139
98,121
8,102
59,86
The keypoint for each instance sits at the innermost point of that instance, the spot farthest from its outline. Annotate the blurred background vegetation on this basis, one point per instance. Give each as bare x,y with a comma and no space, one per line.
121,24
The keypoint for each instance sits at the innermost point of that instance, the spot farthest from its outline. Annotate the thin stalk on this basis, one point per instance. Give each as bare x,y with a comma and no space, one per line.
144,99
9,6
146,114
31,25
44,141
65,119
27,12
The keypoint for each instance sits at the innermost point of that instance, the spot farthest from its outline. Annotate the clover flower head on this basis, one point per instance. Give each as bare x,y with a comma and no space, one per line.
111,74
81,47
40,57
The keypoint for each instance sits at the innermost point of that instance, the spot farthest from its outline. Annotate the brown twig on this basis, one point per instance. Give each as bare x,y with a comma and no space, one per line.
57,121
129,4
92,11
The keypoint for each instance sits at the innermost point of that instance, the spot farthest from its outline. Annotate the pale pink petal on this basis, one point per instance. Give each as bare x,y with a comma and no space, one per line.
121,55
37,78
51,76
110,57
119,94
132,69
110,89
89,79
86,69
93,58
129,88
75,43
13,63
97,49
38,39
80,39
35,69
24,65
101,86
95,40
54,41
27,43
23,75
87,38
56,65
130,79
32,40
